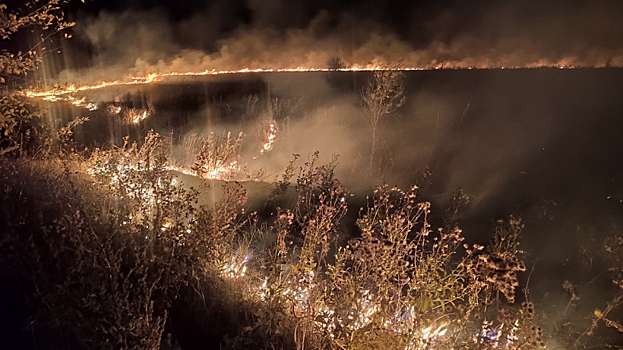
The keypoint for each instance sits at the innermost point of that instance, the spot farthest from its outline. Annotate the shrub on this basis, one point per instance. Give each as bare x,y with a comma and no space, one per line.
21,127
110,252
397,286
107,261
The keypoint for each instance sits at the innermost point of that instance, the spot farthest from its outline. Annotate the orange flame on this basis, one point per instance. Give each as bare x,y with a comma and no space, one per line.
65,93
57,93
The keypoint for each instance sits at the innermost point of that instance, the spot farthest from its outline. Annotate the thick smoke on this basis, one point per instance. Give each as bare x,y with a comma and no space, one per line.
280,34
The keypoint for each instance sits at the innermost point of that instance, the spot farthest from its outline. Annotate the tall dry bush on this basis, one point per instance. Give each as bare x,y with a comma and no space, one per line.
108,253
399,285
21,127
381,98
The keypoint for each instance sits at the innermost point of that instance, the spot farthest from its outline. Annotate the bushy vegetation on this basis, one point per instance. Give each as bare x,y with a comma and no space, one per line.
112,242
21,127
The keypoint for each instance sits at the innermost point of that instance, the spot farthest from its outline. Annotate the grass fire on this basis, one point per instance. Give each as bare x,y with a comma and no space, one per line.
309,175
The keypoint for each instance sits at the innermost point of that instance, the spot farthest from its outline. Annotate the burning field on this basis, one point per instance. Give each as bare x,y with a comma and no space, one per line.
311,178
399,272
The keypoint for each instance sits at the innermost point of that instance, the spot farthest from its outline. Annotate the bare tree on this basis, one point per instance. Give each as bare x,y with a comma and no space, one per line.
380,98
335,63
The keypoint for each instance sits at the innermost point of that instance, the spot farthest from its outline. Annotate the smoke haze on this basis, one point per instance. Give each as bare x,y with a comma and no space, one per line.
278,34
543,144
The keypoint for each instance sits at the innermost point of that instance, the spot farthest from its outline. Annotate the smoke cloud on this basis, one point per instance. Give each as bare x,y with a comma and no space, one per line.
280,34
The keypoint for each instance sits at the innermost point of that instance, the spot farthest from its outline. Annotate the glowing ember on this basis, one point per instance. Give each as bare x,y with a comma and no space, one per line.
220,172
114,109
182,170
136,116
237,267
271,135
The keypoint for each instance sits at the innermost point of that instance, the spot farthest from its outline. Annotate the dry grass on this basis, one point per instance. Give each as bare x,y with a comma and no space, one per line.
122,250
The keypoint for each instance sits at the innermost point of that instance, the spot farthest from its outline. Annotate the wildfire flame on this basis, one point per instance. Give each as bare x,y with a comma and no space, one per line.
136,116
271,135
298,293
220,172
58,93
237,267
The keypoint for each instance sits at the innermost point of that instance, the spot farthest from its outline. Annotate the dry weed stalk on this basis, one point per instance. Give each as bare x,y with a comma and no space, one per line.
219,156
613,247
